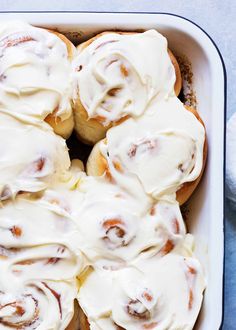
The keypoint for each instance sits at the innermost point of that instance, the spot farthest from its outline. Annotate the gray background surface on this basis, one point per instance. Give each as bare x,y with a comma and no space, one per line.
218,18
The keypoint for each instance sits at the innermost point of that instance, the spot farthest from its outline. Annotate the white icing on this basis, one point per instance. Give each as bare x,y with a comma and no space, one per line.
164,148
115,229
34,305
118,74
155,293
31,157
35,72
130,230
39,253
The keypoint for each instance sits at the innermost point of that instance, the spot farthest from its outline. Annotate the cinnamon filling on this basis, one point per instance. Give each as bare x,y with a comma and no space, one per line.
114,233
113,91
56,295
38,165
16,231
14,321
176,228
190,277
14,41
147,295
147,145
105,43
137,310
167,248
150,326
124,71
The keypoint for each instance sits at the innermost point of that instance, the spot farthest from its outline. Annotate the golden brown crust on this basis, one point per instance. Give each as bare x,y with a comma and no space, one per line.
63,128
178,80
91,131
185,192
84,324
96,163
73,325
97,166
79,320
69,45
83,321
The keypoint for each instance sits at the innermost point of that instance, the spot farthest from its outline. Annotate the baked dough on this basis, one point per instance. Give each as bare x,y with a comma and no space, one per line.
97,163
102,51
37,76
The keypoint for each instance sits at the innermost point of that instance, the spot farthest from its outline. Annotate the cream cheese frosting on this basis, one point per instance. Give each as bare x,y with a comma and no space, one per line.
156,293
115,228
39,261
124,238
118,74
163,148
30,158
35,72
37,305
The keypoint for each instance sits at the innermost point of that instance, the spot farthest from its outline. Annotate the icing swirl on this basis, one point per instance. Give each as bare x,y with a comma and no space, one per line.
163,148
35,71
39,260
32,157
27,307
114,82
115,227
145,296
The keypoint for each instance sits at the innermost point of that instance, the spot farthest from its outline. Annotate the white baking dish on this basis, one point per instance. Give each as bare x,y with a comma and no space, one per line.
205,220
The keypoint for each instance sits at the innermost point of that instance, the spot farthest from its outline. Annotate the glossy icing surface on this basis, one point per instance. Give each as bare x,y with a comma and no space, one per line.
118,75
155,293
39,260
163,148
118,245
35,71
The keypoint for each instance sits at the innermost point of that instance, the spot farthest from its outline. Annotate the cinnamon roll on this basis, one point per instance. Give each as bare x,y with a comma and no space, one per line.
116,227
35,74
39,261
31,158
38,305
34,236
117,75
156,293
165,148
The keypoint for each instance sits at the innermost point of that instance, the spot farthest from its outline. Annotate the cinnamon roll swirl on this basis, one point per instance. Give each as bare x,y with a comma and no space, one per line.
39,261
165,148
117,74
38,305
155,293
115,229
35,74
31,159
